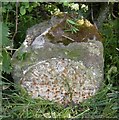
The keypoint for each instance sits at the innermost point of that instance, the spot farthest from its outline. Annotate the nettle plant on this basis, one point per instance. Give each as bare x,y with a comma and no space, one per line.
5,47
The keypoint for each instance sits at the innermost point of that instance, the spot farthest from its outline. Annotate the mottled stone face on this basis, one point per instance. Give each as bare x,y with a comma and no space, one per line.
57,72
60,80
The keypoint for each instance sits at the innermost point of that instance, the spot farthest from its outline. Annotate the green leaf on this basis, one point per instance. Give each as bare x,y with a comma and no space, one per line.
5,34
9,7
22,10
69,30
6,62
21,55
35,4
30,8
4,9
74,30
26,5
71,22
65,3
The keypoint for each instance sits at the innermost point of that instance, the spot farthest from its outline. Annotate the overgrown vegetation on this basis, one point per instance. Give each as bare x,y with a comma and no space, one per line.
16,103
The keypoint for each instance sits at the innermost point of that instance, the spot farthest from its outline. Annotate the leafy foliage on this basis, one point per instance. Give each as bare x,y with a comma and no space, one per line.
111,54
27,7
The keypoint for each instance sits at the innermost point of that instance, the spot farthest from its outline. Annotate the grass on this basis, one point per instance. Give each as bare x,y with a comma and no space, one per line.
18,104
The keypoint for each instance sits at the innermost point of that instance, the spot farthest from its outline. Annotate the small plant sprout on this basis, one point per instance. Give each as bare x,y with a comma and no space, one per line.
72,25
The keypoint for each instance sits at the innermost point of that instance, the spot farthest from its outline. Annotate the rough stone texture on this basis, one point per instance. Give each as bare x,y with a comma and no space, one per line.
58,72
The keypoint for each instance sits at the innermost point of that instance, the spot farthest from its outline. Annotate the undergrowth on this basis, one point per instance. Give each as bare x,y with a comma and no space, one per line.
16,103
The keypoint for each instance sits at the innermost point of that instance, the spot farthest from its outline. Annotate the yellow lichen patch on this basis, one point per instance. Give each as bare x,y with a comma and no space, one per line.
80,22
59,14
87,23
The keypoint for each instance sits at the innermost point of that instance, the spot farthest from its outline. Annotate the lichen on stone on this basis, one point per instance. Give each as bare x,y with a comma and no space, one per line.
60,80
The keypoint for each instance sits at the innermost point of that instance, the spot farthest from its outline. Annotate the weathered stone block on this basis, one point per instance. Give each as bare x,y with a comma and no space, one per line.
58,72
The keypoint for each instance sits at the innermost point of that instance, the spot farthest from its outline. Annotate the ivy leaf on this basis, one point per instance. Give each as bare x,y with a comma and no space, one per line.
6,62
22,10
5,34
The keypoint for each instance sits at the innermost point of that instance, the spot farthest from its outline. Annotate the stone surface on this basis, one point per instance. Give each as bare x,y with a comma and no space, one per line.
56,71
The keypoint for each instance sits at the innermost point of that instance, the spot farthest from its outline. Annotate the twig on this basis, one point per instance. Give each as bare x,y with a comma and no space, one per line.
117,49
111,11
114,16
68,38
11,49
92,17
16,24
